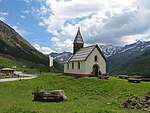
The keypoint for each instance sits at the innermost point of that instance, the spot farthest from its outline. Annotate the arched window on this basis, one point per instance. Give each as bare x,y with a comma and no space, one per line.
95,58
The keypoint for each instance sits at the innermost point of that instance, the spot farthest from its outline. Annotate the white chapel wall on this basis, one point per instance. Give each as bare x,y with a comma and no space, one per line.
75,70
90,62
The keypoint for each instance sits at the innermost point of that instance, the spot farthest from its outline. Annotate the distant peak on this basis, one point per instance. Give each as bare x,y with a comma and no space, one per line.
139,42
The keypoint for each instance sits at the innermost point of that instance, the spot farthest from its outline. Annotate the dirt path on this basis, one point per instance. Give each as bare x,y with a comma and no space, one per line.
14,79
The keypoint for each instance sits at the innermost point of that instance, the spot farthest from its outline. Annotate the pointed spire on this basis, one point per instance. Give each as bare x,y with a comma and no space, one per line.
78,38
78,28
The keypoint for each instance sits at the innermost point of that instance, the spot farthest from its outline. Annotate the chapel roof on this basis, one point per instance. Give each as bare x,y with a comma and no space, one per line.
78,38
83,53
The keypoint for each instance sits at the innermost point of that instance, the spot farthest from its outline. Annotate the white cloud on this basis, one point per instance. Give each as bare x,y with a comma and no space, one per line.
3,15
42,12
66,45
114,22
55,39
44,50
26,11
41,24
27,1
23,17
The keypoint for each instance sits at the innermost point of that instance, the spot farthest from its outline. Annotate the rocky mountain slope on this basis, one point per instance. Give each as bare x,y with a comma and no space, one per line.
110,50
61,57
126,55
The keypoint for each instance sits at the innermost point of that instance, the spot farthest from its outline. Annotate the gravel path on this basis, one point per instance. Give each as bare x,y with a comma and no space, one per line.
14,79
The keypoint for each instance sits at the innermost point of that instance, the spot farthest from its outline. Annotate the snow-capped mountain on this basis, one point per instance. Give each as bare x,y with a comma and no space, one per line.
61,57
134,49
110,50
128,51
126,55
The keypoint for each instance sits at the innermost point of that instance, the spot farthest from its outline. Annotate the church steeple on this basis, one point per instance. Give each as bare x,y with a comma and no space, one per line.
78,42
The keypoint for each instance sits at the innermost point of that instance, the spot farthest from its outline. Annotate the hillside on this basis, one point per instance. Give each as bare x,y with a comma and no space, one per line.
11,43
85,95
139,65
131,59
15,49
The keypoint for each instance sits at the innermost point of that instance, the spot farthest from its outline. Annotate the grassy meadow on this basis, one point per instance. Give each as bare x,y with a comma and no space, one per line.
85,95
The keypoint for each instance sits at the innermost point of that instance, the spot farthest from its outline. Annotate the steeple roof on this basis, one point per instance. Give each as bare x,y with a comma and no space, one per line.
78,38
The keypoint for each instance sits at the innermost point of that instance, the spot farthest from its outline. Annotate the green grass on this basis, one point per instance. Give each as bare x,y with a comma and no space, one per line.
85,95
31,67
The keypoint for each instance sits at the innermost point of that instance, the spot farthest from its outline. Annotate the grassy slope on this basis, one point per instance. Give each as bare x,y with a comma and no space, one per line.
85,95
139,65
9,61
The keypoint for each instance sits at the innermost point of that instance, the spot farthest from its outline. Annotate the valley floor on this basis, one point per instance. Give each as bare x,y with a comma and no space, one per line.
84,95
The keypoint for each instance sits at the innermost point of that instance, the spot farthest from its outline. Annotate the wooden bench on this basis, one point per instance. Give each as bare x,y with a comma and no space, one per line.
133,80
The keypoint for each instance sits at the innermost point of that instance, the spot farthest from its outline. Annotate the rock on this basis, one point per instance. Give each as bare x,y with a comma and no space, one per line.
133,80
53,96
138,102
123,76
103,76
145,79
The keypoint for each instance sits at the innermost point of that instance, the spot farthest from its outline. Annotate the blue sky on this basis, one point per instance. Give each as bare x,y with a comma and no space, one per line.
51,25
20,16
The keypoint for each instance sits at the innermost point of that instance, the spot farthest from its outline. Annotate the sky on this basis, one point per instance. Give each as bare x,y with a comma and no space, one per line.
51,25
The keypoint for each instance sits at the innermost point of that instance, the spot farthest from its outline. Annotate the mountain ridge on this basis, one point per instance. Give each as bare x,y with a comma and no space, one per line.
119,57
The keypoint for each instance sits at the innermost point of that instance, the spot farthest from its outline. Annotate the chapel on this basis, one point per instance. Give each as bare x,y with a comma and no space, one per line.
85,61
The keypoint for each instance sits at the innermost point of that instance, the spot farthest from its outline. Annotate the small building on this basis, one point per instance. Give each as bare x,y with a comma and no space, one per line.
86,61
7,71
